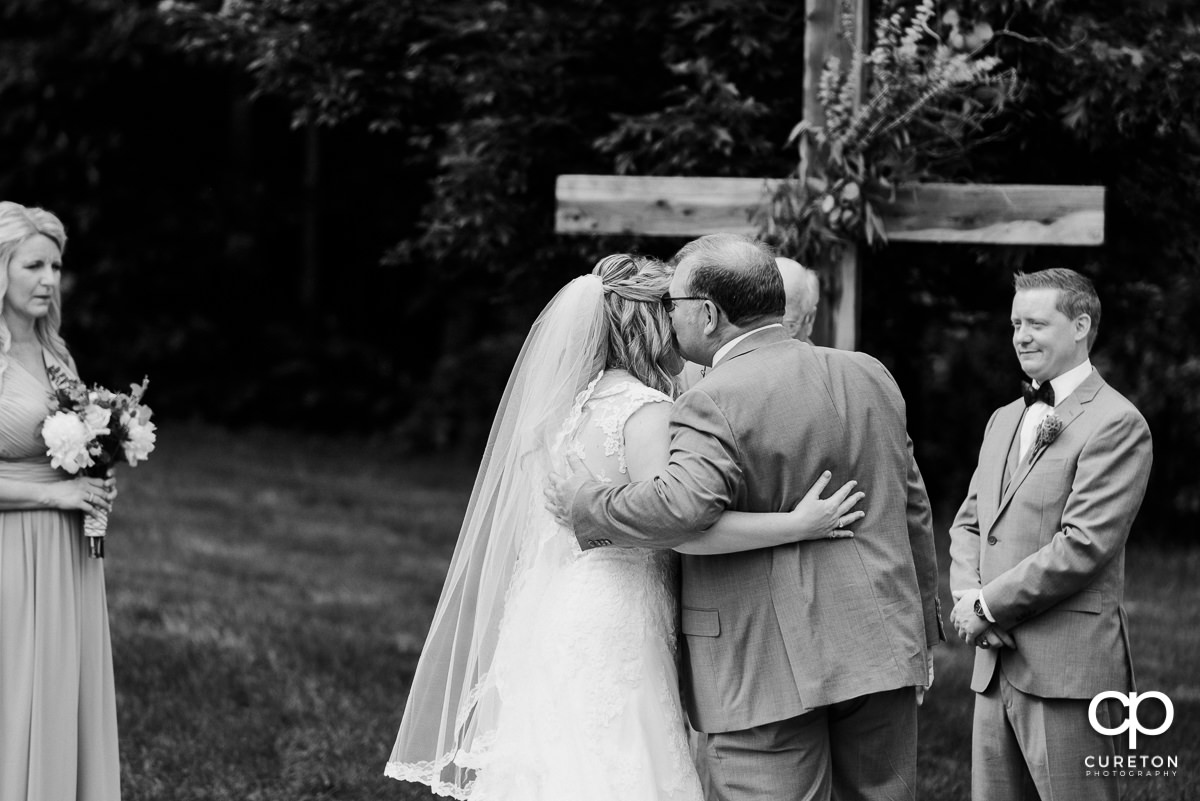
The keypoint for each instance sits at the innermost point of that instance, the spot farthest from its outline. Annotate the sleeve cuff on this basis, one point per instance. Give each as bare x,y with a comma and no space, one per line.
986,612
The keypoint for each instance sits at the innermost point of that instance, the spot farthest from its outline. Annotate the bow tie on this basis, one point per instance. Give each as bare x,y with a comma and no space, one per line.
1044,393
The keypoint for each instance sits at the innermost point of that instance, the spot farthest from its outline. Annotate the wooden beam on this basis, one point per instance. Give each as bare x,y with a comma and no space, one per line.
656,206
1004,214
1000,214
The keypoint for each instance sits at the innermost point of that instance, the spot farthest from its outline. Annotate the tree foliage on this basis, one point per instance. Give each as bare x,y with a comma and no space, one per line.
1120,89
195,147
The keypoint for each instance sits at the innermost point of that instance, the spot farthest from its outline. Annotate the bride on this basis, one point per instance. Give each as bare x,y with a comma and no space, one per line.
550,673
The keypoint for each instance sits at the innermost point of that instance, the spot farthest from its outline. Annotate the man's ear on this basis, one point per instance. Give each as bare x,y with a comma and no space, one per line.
1083,326
712,319
810,319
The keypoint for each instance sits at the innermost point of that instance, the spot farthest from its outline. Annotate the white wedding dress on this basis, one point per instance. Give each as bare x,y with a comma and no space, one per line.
549,673
586,661
584,680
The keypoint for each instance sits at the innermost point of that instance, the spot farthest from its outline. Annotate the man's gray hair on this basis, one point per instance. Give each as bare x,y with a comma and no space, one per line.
737,273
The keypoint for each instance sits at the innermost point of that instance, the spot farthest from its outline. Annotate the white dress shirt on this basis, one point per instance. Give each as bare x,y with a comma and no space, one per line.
1063,386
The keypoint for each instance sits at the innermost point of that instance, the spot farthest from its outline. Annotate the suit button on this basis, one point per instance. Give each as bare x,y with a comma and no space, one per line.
992,539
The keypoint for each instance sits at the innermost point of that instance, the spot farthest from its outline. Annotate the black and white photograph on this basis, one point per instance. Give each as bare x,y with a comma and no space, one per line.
599,400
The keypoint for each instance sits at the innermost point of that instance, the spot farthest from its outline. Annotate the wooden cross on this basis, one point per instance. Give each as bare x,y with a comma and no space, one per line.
967,213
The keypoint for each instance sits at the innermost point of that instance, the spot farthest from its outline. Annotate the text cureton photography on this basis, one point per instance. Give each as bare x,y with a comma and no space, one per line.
1131,765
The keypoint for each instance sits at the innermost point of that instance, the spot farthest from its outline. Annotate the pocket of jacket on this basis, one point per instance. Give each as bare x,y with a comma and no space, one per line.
1082,601
1050,475
701,622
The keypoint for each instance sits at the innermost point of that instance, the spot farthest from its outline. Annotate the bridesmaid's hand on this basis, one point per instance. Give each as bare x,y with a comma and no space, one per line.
819,518
88,495
111,485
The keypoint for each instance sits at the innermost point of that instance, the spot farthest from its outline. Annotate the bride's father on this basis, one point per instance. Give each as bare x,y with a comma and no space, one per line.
1038,554
801,659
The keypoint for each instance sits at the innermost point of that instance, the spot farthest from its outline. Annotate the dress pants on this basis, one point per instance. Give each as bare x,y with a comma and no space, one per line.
1026,748
864,748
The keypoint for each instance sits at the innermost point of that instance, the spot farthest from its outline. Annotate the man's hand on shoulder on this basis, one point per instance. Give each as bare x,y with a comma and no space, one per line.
561,489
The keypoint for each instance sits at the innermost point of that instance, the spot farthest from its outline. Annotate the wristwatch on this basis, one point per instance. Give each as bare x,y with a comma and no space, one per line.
979,607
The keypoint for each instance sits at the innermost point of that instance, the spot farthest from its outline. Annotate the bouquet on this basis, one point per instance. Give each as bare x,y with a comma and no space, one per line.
90,430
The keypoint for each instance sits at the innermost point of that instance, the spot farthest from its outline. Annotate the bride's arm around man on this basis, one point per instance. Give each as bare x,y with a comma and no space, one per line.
801,658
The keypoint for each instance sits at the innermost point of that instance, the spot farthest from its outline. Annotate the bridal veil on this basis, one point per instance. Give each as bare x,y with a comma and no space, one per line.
453,707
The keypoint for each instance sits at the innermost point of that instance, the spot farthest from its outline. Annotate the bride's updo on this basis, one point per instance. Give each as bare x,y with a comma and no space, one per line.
639,329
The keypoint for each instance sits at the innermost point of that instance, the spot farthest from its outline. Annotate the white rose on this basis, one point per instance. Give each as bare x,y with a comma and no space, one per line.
67,438
96,418
141,439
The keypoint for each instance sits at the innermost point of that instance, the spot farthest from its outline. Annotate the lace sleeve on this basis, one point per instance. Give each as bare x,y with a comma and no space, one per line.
615,409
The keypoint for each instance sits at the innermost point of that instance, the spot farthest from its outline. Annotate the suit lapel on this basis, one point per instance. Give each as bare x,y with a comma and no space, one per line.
1067,411
1012,463
1007,429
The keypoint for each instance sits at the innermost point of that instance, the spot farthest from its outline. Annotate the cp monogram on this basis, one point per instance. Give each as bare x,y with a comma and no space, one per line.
1131,723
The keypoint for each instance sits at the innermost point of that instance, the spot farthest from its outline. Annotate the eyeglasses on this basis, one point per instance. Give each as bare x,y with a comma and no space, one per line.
669,302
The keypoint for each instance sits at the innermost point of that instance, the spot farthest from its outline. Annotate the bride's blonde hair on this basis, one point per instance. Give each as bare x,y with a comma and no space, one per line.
17,225
639,327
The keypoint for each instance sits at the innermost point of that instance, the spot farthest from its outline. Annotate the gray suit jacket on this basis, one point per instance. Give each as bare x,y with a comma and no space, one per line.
1049,552
773,632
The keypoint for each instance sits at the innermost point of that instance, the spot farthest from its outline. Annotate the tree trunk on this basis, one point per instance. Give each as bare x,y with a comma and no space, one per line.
310,261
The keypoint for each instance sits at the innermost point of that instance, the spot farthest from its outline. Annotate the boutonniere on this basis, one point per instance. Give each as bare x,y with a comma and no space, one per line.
1047,431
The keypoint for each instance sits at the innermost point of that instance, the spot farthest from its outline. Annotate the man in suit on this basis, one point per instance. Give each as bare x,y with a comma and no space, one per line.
1038,554
802,295
801,660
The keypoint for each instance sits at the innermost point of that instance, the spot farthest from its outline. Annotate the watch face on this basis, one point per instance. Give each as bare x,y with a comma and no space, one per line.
979,608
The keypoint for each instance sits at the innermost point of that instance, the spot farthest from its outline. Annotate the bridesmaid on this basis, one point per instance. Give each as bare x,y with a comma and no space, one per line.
58,713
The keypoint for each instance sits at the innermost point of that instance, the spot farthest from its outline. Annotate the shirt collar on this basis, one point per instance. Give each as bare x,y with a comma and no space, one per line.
1069,381
723,351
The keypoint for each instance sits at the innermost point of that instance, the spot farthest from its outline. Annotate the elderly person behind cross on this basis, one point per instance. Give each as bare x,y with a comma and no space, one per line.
802,289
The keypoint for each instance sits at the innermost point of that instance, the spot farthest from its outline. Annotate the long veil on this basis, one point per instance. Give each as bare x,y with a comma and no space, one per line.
453,707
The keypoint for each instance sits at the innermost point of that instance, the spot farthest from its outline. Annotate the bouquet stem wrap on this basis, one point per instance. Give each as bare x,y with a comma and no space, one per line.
94,528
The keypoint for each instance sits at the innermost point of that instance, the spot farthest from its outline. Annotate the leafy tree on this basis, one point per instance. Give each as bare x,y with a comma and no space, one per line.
494,100
426,140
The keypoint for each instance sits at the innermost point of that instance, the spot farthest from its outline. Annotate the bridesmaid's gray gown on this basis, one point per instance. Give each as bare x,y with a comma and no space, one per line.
58,714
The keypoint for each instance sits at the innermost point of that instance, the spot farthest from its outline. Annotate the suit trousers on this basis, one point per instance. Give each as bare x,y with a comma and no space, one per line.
864,748
1026,748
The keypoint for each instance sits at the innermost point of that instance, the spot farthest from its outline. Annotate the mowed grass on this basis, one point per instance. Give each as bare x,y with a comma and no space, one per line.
269,595
268,599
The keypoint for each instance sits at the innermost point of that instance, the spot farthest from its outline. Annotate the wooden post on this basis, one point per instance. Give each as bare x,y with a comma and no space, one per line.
837,322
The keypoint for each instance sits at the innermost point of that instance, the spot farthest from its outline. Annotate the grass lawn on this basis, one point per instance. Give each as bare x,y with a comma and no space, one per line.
269,596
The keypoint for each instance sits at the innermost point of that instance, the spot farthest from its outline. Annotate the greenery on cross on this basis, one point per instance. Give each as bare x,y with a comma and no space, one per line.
926,102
